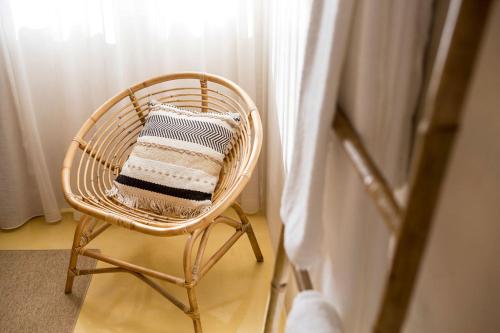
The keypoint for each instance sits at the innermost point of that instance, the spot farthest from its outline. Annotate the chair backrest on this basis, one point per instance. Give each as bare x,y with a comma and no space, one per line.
105,140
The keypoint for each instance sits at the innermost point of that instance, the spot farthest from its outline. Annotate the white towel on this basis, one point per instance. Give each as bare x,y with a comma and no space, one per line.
302,195
312,313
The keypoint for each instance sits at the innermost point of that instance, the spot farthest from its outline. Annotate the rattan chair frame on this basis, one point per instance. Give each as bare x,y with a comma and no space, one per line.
100,148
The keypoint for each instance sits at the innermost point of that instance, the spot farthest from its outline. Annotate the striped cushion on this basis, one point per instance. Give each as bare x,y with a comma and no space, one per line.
174,166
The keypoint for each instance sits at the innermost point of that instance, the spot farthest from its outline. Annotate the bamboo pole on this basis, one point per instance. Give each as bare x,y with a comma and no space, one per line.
249,231
303,279
88,150
278,286
161,291
137,108
135,268
103,270
204,93
98,231
190,282
374,182
218,255
74,253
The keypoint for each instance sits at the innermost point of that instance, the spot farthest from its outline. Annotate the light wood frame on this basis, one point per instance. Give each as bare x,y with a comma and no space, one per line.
105,141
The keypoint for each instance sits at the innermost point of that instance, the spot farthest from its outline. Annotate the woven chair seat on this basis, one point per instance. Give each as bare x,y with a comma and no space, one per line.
105,140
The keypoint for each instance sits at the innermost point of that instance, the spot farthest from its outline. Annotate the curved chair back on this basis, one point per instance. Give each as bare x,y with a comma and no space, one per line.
103,143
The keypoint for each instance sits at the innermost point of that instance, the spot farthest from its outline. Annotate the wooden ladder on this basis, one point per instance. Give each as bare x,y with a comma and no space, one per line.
442,108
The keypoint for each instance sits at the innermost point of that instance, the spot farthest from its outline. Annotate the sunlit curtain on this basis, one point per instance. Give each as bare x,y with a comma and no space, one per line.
60,60
286,29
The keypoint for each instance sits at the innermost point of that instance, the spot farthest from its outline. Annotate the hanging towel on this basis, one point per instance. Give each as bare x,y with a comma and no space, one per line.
312,313
302,196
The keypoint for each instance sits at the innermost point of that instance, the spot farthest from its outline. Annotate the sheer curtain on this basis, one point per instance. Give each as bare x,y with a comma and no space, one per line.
285,31
60,60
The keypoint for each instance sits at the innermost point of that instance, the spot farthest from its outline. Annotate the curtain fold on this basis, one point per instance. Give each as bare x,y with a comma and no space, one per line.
28,134
63,59
284,39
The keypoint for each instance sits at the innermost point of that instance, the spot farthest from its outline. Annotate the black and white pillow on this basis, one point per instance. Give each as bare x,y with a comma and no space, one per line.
175,164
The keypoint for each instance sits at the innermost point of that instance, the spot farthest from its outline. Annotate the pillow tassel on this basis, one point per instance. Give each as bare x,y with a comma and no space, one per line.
157,205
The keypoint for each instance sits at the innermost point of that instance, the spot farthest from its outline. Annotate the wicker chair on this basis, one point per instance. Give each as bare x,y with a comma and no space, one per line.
102,145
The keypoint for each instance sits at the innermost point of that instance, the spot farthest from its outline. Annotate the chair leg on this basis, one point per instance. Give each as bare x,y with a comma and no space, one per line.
74,253
195,312
189,274
254,243
249,231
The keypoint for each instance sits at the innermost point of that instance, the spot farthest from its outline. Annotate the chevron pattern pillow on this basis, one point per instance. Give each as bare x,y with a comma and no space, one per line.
174,166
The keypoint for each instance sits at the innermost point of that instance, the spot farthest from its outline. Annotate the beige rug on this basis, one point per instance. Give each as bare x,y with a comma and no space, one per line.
32,297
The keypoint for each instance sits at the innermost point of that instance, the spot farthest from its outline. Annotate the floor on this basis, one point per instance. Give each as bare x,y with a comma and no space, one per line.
232,296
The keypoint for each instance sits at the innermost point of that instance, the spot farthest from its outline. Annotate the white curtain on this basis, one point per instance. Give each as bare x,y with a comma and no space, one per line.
284,40
331,226
60,60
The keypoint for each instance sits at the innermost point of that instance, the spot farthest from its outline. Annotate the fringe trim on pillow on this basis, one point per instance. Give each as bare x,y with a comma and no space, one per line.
159,206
